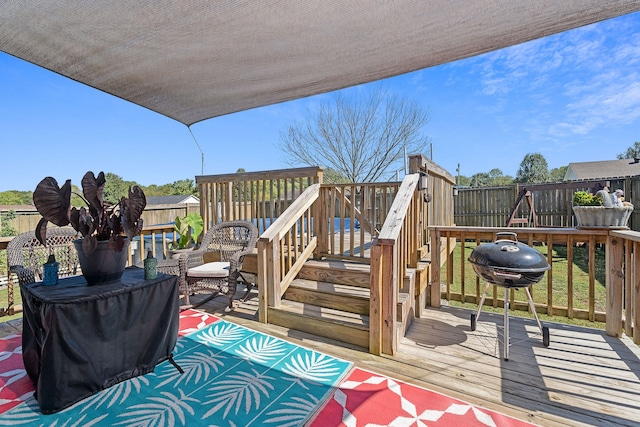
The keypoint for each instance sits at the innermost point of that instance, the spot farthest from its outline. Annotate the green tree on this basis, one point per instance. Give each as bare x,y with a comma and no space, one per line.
360,137
6,229
332,176
493,178
557,174
116,187
463,180
183,186
533,169
632,152
14,197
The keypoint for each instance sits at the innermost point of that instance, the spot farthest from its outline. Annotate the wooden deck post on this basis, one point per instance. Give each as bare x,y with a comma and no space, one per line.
435,268
614,285
375,301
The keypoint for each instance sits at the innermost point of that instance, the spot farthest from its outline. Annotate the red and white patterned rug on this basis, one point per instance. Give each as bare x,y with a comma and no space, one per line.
373,400
363,399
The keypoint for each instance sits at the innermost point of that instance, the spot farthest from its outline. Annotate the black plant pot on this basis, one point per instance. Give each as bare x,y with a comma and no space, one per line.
104,265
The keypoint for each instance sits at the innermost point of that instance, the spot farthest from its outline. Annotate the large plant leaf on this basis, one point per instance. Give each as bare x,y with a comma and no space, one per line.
41,231
196,223
131,210
81,221
52,202
93,190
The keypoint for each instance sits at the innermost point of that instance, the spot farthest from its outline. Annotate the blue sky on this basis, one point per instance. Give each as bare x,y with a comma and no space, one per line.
573,97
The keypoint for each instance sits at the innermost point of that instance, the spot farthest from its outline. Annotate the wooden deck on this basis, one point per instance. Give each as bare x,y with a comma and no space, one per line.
583,378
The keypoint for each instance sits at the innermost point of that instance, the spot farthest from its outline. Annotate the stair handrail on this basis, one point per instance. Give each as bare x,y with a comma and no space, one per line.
284,248
389,259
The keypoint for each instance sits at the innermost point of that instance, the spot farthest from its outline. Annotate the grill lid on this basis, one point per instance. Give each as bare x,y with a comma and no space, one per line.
509,255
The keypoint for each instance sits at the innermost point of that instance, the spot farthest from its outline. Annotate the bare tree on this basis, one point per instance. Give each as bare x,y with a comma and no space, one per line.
360,137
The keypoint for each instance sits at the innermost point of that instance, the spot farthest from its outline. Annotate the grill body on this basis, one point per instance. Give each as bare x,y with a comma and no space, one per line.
509,264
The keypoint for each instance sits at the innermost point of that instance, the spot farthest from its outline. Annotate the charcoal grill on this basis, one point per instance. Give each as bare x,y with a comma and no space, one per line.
509,264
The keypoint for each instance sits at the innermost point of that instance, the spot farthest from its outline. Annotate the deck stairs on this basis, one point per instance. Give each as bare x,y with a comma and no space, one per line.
330,298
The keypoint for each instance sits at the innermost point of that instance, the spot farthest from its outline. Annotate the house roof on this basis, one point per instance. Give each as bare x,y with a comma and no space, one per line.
602,169
193,60
172,200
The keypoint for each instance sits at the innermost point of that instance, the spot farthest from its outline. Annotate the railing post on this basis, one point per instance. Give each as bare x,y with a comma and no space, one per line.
390,284
268,276
435,268
614,285
375,300
320,222
636,293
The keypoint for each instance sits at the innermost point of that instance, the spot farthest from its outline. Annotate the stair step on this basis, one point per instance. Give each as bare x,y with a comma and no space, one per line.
337,271
331,295
335,324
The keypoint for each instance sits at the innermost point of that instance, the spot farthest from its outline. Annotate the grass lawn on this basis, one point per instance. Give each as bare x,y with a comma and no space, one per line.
3,302
560,295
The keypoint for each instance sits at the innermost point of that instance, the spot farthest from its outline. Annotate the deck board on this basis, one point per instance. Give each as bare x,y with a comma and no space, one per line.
583,378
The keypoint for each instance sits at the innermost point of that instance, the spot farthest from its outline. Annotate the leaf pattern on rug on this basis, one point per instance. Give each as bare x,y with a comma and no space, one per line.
116,394
293,413
233,377
159,411
12,376
311,366
220,334
262,350
198,367
238,389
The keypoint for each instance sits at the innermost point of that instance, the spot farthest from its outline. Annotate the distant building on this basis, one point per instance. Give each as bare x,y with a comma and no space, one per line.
173,200
602,170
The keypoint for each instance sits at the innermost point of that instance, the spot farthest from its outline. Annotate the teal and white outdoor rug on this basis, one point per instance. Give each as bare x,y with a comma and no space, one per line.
233,376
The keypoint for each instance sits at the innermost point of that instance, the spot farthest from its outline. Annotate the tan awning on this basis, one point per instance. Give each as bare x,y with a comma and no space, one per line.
193,60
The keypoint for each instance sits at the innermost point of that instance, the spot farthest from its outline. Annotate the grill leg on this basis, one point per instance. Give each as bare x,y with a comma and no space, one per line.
533,308
506,323
474,317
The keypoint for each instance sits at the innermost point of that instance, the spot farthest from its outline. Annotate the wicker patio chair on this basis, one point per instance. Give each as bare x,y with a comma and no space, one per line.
228,243
25,255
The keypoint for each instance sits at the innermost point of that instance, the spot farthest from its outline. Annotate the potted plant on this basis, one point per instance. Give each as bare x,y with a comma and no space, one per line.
106,229
189,228
601,210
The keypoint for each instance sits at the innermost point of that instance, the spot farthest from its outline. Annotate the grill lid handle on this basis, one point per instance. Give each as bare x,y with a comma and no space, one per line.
503,234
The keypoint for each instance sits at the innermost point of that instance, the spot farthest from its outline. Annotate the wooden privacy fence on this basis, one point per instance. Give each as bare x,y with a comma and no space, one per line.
491,206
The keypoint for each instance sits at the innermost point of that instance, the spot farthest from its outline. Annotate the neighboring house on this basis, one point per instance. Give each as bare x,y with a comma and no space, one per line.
172,200
602,169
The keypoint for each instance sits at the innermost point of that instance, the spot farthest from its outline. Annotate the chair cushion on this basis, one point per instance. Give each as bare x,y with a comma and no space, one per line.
210,269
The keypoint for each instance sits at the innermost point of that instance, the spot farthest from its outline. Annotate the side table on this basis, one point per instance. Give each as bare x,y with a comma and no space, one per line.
79,339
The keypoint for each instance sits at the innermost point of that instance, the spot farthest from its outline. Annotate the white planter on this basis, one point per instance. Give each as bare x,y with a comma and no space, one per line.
601,217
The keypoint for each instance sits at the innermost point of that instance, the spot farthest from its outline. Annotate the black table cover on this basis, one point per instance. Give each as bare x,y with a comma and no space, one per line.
79,339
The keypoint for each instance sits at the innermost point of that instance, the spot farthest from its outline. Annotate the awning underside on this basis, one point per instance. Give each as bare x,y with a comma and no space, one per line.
193,60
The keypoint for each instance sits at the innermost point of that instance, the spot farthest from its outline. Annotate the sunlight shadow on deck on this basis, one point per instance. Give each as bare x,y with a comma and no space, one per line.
583,378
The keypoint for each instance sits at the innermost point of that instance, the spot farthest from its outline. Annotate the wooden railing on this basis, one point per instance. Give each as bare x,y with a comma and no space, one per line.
284,248
159,236
354,214
603,289
394,250
623,284
258,197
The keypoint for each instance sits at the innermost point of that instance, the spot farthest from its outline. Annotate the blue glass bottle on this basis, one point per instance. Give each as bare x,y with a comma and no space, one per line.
50,271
